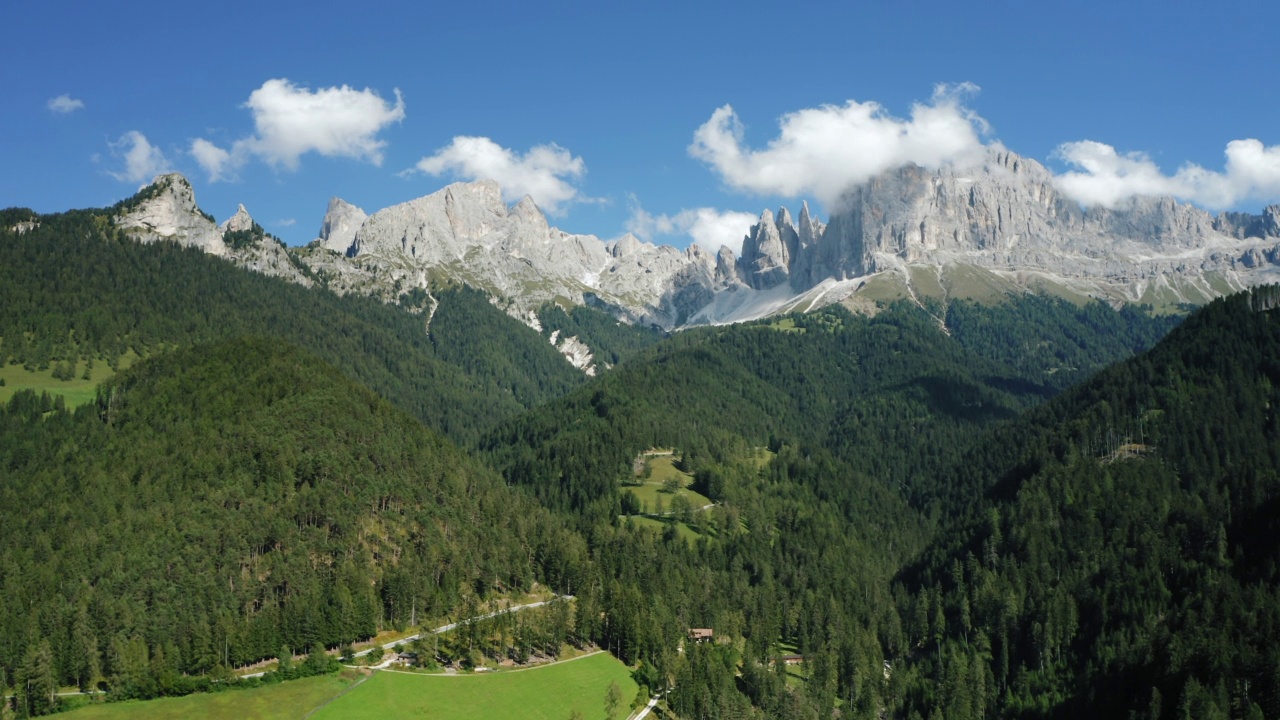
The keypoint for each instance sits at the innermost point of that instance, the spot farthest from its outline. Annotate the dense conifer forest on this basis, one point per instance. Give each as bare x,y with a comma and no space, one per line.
1029,510
224,501
74,290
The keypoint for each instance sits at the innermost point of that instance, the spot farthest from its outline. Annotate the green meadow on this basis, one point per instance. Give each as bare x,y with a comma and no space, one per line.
550,692
652,488
659,525
76,391
281,701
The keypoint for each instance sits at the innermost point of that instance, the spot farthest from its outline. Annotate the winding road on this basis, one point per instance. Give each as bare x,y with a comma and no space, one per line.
442,628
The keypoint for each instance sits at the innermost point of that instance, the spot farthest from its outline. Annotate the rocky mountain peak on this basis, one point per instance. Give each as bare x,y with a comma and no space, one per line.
808,230
624,246
768,249
1000,225
240,222
527,208
166,209
341,222
726,270
527,220
1271,221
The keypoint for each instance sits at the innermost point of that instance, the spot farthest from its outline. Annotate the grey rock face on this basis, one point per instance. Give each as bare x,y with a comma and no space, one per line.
575,351
240,222
1244,225
1008,216
768,249
170,214
465,232
341,222
1005,218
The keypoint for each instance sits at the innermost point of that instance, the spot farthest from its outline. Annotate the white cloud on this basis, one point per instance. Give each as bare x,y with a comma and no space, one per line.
142,160
827,150
287,222
1107,178
65,104
215,161
708,227
543,173
335,122
290,121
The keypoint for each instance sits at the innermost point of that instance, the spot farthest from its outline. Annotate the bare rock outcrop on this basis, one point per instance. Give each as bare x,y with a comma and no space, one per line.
465,232
166,210
341,222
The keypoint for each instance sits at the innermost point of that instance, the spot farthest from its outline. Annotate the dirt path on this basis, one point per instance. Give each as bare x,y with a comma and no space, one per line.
500,672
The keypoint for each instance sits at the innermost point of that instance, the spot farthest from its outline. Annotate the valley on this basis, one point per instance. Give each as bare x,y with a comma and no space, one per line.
1010,506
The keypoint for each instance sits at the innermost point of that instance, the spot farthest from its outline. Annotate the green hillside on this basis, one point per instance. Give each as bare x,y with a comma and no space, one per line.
865,417
1125,560
952,511
219,503
891,395
74,290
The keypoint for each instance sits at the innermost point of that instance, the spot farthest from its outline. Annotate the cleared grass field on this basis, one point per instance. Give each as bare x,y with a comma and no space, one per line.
551,692
663,469
282,701
76,391
684,531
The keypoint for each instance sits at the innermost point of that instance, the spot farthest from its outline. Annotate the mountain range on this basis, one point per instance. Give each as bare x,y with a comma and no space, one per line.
920,499
910,233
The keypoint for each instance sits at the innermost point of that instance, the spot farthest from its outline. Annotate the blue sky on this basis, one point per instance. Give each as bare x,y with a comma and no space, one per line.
614,117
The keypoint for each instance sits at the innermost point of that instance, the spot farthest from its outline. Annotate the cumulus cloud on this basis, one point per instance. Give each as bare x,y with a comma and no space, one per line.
142,160
65,104
214,160
825,151
544,173
708,227
291,121
335,122
1108,178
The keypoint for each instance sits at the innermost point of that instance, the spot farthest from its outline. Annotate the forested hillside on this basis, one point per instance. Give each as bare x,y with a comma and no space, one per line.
74,290
221,502
1124,557
611,341
865,417
953,512
892,396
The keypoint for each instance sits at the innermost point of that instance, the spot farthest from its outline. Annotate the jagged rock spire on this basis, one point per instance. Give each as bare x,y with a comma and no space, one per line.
342,221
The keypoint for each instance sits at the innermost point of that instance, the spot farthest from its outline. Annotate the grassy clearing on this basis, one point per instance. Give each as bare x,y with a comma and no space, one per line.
664,469
659,525
1045,286
281,701
1220,284
762,457
550,692
786,325
974,283
75,392
926,283
884,287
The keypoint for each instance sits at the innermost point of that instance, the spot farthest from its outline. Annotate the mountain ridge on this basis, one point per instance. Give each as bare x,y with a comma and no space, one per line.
1004,223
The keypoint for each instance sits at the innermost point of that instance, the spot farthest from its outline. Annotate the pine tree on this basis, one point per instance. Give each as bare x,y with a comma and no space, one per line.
612,700
37,688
